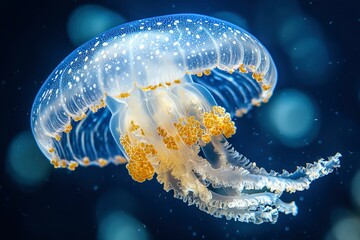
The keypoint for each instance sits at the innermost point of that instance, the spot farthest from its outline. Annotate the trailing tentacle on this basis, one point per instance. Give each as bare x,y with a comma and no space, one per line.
238,177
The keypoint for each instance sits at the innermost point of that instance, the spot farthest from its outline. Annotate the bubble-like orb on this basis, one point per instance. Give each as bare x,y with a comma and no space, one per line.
346,229
293,118
26,164
355,188
118,226
90,20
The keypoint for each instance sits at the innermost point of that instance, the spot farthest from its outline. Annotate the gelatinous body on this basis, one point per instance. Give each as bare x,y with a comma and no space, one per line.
155,93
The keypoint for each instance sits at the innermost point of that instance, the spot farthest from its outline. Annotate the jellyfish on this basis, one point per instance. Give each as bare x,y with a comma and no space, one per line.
160,95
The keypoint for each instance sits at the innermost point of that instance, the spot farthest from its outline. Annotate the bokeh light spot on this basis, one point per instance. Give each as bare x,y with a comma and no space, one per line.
346,229
292,118
119,226
90,20
355,188
26,164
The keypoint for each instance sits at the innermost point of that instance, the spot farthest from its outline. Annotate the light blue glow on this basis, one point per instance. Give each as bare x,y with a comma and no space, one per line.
89,21
346,229
25,162
119,226
355,188
293,118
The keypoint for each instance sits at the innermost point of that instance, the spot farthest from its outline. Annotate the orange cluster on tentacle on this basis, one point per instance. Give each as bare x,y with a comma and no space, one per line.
214,123
219,122
189,130
169,141
139,166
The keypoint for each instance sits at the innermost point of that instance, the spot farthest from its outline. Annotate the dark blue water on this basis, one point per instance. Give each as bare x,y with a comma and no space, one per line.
314,112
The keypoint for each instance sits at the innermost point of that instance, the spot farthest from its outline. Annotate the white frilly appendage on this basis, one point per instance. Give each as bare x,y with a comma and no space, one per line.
242,191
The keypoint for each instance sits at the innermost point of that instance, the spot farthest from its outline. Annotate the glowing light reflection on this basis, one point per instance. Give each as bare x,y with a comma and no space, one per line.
292,118
90,20
26,164
118,226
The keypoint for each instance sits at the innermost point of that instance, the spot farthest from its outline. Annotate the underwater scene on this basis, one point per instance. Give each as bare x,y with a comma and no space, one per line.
180,120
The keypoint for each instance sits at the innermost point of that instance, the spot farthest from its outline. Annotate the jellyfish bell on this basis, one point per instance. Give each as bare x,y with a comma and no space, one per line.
153,94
